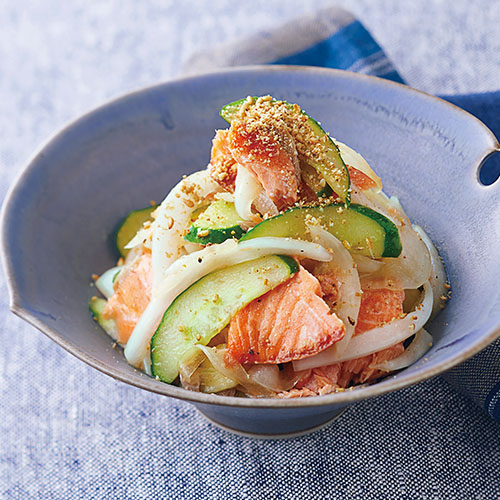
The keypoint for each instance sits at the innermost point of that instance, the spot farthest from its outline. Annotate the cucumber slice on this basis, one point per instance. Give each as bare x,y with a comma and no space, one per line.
129,227
331,166
96,306
207,306
363,230
216,224
311,177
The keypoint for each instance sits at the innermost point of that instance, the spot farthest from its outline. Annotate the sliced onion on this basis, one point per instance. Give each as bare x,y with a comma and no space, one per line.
270,377
268,245
234,372
376,339
390,207
146,366
438,276
419,346
224,196
187,371
413,266
366,265
410,270
349,292
354,159
105,282
143,236
173,216
190,268
247,189
192,247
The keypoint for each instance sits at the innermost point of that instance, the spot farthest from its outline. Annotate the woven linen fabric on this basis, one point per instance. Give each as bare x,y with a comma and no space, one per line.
68,431
333,38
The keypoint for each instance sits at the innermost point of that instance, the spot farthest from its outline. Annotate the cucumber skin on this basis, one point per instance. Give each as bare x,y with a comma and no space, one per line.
392,243
96,306
214,235
293,269
125,227
229,111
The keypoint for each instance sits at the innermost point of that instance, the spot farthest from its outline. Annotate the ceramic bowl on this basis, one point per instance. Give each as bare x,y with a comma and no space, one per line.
59,217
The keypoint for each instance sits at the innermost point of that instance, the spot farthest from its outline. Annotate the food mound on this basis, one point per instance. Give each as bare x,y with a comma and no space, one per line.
280,270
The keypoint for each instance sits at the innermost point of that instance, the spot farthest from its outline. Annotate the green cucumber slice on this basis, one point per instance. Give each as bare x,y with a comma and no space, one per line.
129,227
331,167
311,177
96,306
363,230
216,224
207,306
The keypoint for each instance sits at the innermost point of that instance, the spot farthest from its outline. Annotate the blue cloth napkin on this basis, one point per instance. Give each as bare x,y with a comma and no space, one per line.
333,38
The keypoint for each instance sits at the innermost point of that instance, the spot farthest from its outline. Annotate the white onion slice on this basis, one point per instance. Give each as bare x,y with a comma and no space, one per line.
268,376
390,207
376,339
234,372
354,159
105,282
146,365
419,346
191,247
247,189
438,276
410,270
190,268
349,292
268,245
173,216
413,266
225,196
141,237
366,265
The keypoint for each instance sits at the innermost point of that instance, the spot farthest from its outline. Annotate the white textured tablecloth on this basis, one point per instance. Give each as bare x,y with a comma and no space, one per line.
67,431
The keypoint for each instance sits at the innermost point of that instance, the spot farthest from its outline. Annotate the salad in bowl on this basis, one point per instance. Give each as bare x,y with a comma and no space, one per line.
280,270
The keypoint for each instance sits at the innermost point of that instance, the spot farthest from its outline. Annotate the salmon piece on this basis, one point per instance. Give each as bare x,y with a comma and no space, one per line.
222,167
330,378
296,393
131,297
290,322
360,179
379,306
322,380
271,156
359,371
329,288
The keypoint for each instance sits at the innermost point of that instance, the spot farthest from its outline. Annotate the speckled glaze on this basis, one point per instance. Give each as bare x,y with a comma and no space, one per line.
59,218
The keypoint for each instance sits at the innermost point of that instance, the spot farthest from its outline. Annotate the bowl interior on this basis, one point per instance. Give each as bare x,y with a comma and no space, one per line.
60,218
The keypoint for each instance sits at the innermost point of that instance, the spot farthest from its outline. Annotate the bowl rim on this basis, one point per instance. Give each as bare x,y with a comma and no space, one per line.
150,384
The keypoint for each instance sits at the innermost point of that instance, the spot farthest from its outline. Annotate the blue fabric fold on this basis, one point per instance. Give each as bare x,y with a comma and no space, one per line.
351,48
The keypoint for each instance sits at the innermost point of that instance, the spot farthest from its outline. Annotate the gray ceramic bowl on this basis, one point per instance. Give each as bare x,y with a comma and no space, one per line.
65,206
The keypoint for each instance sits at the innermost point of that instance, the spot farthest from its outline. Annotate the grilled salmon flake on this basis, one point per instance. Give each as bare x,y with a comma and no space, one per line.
290,322
131,297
